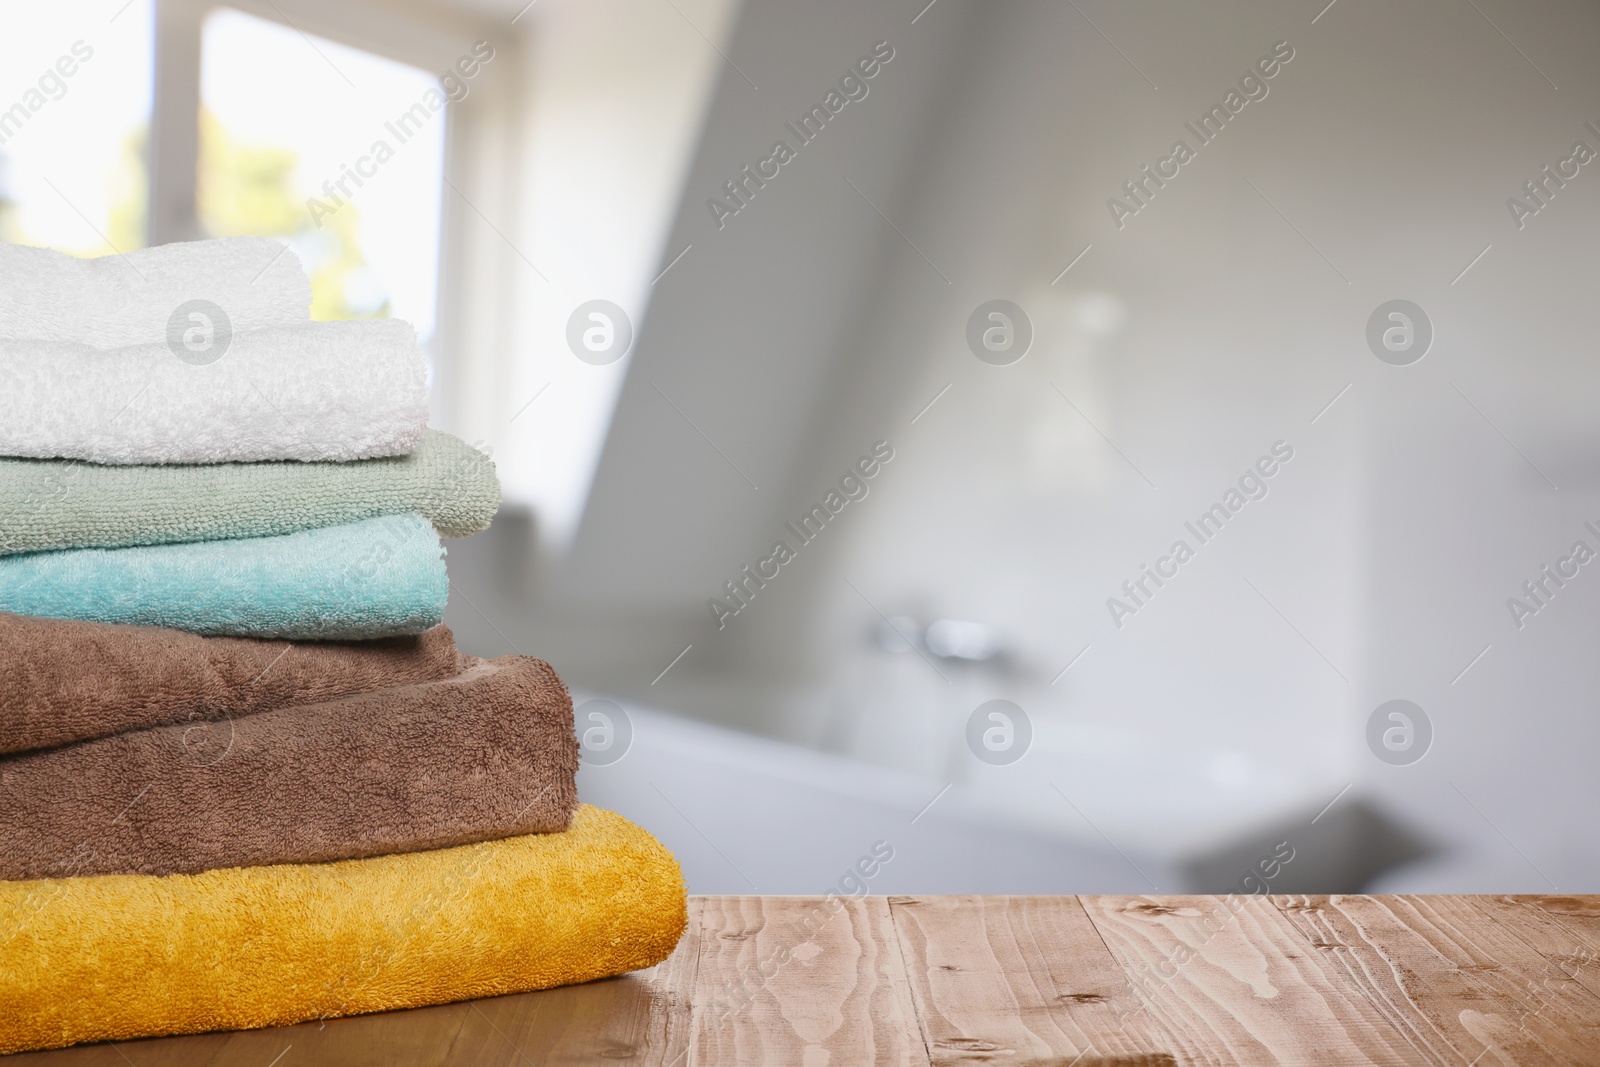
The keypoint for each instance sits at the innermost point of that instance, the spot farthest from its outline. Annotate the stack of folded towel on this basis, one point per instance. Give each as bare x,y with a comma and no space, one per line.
246,777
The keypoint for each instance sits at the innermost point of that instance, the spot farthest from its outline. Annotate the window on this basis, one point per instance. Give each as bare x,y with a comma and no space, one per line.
290,128
74,119
191,119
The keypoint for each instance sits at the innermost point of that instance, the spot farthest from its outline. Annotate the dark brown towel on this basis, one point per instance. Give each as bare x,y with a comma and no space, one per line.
490,753
64,681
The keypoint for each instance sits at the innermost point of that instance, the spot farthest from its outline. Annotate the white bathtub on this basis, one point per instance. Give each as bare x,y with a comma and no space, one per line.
1085,811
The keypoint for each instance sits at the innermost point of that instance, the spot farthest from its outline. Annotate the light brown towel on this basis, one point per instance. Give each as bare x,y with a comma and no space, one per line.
64,681
490,753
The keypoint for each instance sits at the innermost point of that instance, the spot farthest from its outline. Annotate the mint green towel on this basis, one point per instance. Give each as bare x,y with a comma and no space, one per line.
373,578
52,503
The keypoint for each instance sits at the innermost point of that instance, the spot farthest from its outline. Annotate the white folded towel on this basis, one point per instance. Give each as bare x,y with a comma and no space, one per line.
115,301
317,391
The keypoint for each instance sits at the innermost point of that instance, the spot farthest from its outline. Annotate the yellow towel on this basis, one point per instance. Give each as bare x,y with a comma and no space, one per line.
120,956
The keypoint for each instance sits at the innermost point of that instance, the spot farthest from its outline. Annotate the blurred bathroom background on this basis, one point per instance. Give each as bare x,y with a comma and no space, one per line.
652,449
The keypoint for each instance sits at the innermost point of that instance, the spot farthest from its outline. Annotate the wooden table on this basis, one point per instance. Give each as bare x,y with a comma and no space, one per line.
1014,981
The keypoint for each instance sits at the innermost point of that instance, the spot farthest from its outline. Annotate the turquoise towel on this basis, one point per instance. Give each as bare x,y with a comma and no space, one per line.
373,578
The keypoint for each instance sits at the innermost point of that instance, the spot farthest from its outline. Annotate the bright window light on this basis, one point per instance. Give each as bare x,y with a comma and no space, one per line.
74,117
290,128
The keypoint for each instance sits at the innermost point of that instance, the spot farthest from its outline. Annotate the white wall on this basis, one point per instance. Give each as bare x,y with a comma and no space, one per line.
612,96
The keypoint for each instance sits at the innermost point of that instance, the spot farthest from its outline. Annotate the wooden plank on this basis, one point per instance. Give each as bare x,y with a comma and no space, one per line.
1452,978
1579,916
1567,947
1019,980
1231,981
1092,982
420,1037
200,1050
789,980
417,1038
643,1018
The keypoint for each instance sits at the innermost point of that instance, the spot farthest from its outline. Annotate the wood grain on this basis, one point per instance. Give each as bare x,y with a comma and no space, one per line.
1567,955
1577,916
787,980
1458,982
420,1037
1230,981
1015,981
1019,980
417,1038
200,1050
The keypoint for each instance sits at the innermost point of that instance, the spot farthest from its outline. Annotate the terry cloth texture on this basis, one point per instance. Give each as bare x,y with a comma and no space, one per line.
52,503
374,578
123,956
318,391
67,681
115,301
489,753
